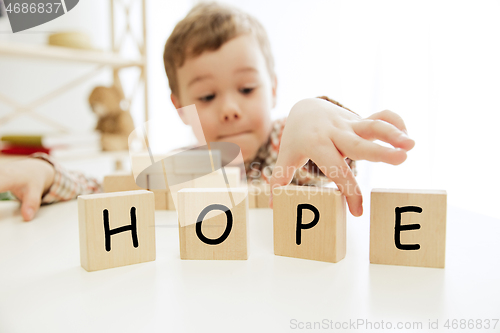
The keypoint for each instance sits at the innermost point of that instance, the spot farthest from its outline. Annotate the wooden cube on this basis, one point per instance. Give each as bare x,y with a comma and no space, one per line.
161,199
259,194
141,161
124,181
196,161
120,181
309,223
159,186
212,180
116,229
262,199
408,227
216,178
210,227
170,202
178,182
157,182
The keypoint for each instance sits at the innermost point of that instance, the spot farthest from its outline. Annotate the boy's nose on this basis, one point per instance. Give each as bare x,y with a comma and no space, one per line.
228,116
230,113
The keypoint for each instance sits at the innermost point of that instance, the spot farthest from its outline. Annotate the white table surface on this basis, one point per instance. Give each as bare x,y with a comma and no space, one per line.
44,289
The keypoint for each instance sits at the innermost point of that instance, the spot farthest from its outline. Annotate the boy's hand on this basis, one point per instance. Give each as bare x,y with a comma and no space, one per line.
28,180
328,134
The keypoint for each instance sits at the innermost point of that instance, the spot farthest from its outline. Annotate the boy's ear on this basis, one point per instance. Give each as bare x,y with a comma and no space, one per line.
178,106
275,87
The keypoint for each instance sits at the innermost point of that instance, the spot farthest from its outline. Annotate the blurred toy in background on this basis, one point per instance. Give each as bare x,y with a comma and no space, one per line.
114,123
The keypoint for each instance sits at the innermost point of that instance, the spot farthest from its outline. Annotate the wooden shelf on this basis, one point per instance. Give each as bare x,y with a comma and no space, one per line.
103,60
67,54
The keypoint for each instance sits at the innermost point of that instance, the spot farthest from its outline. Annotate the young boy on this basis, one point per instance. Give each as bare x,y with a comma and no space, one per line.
219,59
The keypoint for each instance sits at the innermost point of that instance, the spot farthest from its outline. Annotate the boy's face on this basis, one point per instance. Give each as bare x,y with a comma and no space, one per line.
233,93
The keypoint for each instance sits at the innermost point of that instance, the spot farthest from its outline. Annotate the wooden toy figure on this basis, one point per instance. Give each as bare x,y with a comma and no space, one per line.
114,123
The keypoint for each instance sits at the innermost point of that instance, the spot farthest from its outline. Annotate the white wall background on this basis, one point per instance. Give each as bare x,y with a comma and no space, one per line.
25,80
433,62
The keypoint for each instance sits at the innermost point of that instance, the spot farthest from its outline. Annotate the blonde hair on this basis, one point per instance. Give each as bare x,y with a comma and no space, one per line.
207,27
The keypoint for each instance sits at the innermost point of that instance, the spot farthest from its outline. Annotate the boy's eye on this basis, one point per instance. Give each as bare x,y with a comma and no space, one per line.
246,91
207,98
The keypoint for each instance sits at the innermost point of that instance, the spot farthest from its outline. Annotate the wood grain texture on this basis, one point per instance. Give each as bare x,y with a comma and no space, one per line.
170,202
91,219
259,194
120,181
66,54
213,226
161,199
124,181
211,180
326,240
197,161
262,200
430,235
216,179
141,161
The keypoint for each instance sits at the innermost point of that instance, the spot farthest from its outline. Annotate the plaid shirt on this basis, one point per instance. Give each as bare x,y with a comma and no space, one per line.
67,184
260,169
70,184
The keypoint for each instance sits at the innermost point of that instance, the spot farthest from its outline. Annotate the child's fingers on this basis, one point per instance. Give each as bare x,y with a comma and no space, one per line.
390,117
4,186
357,148
333,165
31,201
384,131
7,181
286,165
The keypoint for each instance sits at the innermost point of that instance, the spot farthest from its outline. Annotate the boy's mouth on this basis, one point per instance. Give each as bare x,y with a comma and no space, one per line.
232,136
